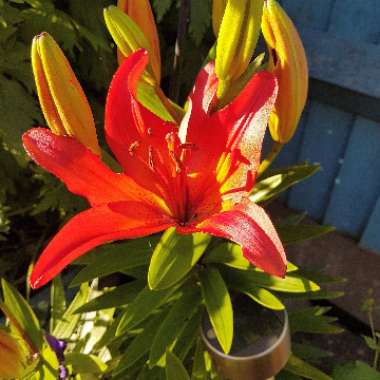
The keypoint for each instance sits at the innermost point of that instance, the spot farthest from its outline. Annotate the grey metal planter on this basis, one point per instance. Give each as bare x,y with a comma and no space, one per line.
261,345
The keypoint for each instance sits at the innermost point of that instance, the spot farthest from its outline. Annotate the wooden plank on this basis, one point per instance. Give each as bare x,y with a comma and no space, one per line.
343,62
346,100
324,142
371,236
357,185
289,153
313,14
356,20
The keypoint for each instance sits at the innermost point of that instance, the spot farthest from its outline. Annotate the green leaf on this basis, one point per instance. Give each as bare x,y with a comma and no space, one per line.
312,320
319,295
199,19
174,256
67,324
219,306
292,283
263,297
57,302
231,254
139,345
116,258
172,325
371,343
83,363
175,370
161,7
302,232
355,371
119,296
199,370
141,307
21,315
275,182
299,367
18,113
309,352
188,336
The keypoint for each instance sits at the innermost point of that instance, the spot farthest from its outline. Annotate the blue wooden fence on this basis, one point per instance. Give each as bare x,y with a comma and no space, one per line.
340,127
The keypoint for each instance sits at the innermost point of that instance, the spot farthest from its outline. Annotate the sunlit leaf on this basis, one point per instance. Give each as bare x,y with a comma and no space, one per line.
219,306
174,256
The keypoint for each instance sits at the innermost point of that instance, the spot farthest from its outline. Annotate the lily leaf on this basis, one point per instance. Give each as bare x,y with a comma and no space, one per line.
175,370
219,306
83,363
299,367
57,301
275,182
174,256
141,307
116,258
264,297
302,232
172,325
139,345
354,371
292,283
231,254
21,315
312,320
119,296
67,324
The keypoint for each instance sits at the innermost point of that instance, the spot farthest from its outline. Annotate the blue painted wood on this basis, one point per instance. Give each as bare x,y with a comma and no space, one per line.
289,153
343,62
357,185
371,236
324,142
356,19
312,14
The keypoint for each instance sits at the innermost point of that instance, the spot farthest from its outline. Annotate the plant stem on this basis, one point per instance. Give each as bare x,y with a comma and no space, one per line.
276,149
183,20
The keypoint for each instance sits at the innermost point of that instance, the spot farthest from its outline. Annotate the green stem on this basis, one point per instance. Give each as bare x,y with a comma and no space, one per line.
276,149
183,21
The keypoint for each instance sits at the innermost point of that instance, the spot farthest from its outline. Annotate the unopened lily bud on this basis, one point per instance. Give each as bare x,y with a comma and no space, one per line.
237,39
63,102
13,357
288,62
140,11
218,7
128,37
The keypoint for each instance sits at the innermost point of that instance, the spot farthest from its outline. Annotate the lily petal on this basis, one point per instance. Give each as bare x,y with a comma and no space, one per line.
136,136
245,120
81,170
248,225
93,227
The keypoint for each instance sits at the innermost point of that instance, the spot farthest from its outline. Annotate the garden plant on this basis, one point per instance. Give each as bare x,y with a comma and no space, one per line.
133,213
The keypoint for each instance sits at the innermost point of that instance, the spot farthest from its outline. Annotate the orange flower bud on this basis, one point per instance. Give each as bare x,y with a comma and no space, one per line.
13,357
141,13
63,102
288,62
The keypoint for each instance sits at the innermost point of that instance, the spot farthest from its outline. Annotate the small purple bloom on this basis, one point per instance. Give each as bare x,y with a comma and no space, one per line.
59,346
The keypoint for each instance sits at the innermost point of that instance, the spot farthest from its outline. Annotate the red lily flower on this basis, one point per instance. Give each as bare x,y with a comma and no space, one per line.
195,177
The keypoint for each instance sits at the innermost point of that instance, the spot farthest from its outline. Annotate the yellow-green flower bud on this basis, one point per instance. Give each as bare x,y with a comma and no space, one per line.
63,102
237,39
